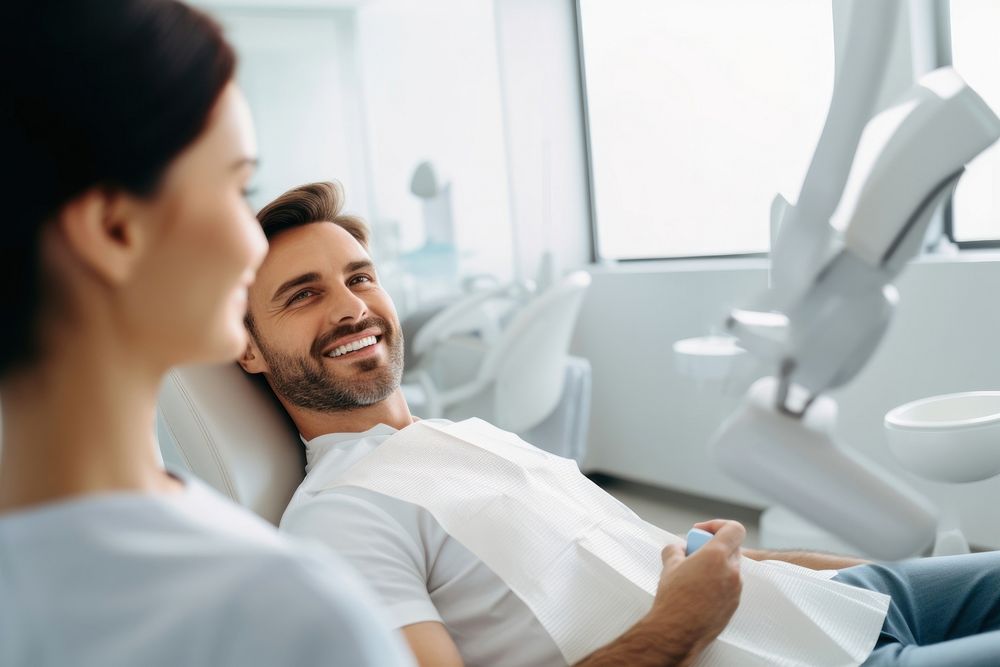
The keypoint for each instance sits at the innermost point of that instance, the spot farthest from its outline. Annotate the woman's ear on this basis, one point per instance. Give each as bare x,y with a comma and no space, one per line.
103,230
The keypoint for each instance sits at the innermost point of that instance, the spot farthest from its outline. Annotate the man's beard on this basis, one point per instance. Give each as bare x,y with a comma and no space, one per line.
305,381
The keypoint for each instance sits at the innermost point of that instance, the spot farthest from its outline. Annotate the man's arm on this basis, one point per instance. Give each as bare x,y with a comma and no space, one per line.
809,559
696,598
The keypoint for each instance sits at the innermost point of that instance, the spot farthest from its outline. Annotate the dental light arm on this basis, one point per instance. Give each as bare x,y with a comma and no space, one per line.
855,91
856,225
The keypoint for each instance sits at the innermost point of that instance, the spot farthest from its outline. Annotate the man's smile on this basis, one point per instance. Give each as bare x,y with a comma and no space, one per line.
345,345
357,348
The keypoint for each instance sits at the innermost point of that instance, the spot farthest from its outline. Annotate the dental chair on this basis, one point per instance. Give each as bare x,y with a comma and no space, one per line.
479,314
520,378
228,429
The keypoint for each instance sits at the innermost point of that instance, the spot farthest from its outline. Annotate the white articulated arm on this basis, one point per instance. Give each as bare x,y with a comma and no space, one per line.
805,236
865,207
920,145
908,162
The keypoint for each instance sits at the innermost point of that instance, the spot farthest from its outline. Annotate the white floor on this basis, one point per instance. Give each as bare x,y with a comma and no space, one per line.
677,512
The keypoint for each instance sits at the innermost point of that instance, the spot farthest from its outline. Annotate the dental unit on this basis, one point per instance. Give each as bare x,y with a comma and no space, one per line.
866,203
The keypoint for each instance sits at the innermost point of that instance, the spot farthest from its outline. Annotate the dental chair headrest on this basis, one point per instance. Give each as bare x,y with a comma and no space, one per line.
231,432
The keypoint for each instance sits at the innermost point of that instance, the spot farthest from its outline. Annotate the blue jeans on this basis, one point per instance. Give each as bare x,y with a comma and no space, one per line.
945,612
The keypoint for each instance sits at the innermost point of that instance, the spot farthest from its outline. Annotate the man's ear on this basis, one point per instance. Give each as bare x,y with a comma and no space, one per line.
251,360
101,228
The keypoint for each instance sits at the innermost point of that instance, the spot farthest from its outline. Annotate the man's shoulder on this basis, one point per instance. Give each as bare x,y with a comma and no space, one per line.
379,535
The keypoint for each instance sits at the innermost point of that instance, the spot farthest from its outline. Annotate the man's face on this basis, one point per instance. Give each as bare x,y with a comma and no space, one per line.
325,333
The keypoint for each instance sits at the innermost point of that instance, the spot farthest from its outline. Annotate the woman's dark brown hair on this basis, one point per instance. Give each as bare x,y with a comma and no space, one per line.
94,94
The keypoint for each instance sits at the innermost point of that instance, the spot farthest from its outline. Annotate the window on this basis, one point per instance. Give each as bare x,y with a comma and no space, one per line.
699,112
975,211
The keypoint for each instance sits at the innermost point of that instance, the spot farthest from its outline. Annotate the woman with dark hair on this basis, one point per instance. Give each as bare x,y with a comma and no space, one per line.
126,247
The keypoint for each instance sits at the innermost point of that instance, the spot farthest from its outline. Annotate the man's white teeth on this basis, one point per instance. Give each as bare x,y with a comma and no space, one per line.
351,347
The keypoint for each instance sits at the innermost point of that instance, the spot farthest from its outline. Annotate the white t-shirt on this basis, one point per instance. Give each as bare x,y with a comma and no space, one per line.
176,579
419,571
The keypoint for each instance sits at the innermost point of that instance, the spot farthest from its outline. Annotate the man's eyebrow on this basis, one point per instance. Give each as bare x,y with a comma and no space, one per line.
358,265
295,282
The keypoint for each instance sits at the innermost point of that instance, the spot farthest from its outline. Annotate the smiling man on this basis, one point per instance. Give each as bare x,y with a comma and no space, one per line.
322,362
327,339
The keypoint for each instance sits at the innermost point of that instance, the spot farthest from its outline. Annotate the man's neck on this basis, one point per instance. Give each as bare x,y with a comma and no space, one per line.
393,411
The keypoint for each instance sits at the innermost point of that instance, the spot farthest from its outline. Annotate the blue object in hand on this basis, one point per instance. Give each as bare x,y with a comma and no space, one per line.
696,539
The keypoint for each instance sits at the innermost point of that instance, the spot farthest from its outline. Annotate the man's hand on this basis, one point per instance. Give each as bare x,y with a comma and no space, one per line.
696,598
698,594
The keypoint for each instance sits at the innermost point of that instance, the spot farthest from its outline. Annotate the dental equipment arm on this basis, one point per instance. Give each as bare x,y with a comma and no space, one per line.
855,90
831,297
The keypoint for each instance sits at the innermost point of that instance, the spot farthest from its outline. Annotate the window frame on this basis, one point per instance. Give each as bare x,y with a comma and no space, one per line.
588,154
941,16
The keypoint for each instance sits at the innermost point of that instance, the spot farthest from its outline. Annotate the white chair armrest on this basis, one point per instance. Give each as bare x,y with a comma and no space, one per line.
450,320
437,401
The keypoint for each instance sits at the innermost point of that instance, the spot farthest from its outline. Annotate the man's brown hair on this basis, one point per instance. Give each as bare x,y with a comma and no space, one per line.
306,204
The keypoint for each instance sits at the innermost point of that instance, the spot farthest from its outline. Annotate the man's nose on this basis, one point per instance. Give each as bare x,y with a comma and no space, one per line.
348,307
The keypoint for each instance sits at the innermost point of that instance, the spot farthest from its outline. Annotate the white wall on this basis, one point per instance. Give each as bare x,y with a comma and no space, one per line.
363,91
488,90
431,86
298,71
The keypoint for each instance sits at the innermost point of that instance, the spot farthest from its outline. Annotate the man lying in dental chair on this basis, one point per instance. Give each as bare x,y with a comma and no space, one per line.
487,551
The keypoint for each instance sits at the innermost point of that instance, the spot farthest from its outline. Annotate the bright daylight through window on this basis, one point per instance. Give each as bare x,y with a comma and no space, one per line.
699,113
976,55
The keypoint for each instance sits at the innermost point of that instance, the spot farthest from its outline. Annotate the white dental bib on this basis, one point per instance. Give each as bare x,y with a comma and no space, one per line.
587,566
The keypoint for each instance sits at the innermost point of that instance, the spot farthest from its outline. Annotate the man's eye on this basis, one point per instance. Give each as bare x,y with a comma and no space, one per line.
360,279
299,296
